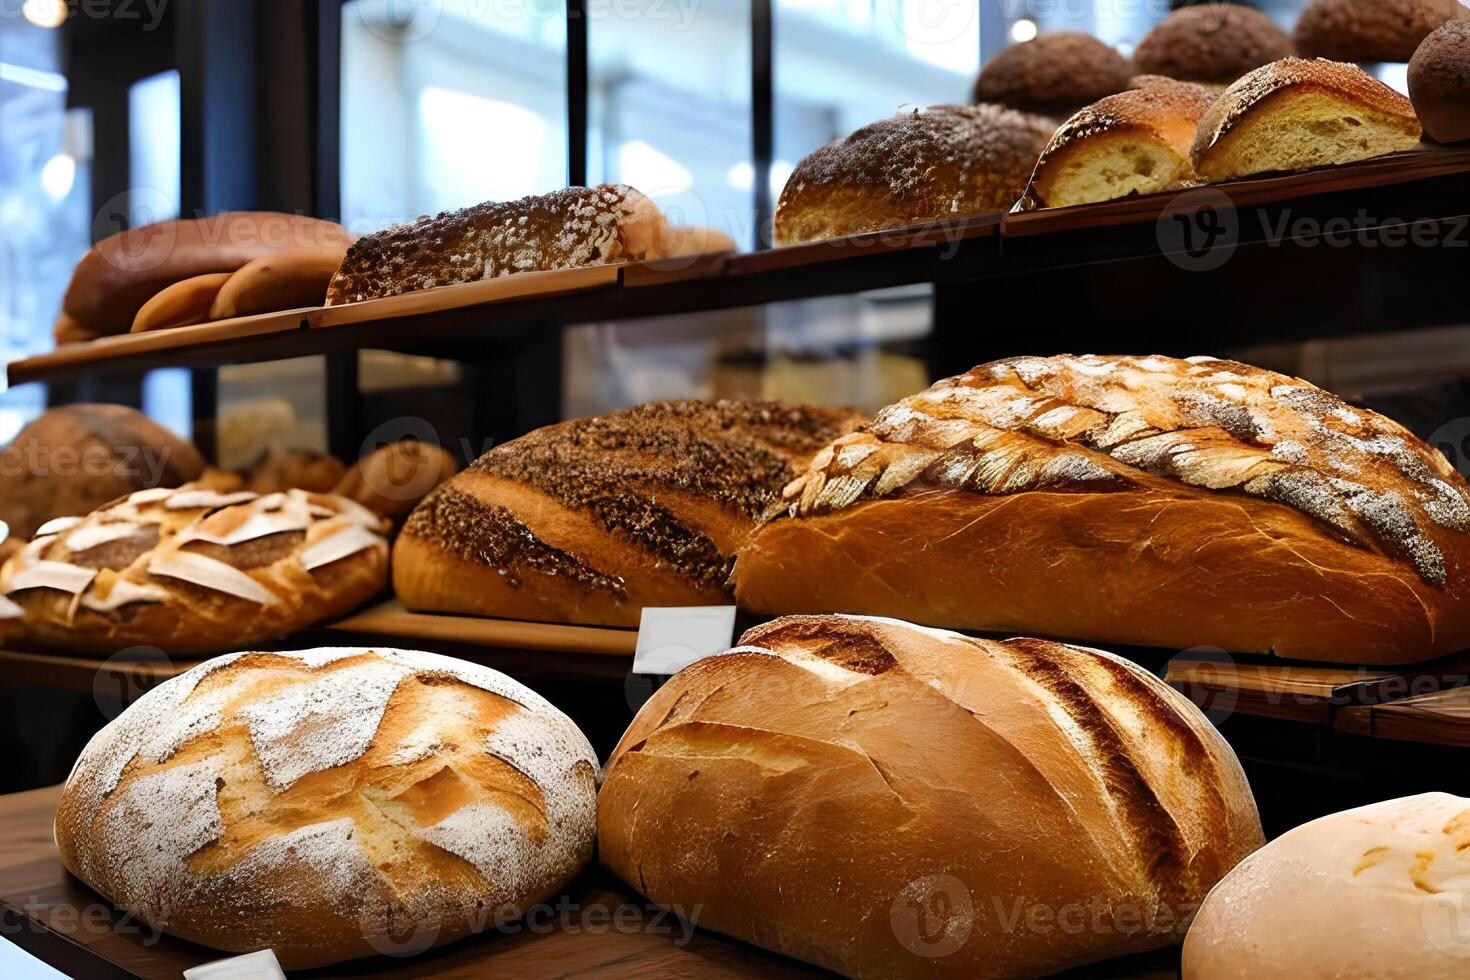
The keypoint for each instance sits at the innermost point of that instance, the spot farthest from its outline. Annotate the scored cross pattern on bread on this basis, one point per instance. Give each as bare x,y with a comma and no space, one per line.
1211,479
331,804
193,570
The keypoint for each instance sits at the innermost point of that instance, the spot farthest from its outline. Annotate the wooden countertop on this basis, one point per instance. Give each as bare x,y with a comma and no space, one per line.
62,922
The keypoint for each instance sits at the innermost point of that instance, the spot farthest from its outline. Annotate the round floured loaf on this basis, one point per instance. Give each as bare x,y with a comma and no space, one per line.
193,570
331,804
889,801
1140,500
1381,892
944,162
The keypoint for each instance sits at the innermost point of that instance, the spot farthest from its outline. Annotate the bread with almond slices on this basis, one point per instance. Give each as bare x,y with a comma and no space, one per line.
1138,500
193,571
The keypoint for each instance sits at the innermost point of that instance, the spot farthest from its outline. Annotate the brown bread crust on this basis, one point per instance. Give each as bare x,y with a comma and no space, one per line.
1439,83
1053,74
1213,43
1132,500
802,789
1370,30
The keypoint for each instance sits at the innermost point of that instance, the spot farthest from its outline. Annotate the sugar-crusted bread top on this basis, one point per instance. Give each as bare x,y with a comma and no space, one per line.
1101,423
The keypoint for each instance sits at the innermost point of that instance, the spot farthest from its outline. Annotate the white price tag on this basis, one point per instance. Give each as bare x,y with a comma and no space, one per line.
261,965
672,638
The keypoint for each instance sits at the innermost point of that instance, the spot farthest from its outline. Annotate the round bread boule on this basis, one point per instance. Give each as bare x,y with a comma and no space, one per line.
1371,30
331,804
1212,43
1439,83
1053,74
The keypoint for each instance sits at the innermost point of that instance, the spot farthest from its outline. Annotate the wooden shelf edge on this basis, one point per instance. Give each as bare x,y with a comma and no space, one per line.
391,619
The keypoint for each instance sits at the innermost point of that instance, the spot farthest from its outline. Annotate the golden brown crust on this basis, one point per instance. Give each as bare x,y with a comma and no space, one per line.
1214,43
1295,113
804,789
913,167
286,280
331,804
294,469
1099,153
122,272
1053,74
1439,83
1171,503
183,304
590,520
73,459
193,571
1370,30
565,229
391,480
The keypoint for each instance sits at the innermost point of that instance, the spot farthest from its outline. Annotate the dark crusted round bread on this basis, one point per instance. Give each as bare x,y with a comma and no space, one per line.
1439,83
1214,43
1370,30
1054,74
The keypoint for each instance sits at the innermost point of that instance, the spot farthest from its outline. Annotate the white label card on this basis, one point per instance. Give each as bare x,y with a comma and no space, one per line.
261,965
672,638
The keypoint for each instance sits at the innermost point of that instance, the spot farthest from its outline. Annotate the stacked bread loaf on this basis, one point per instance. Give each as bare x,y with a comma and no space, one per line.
888,801
193,571
591,520
331,804
1139,500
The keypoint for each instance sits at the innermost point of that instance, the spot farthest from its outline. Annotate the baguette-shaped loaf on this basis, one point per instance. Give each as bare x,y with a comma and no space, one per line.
889,801
331,804
566,229
1141,500
943,162
1211,43
1134,142
183,304
589,521
1375,893
1371,30
286,280
1296,114
193,570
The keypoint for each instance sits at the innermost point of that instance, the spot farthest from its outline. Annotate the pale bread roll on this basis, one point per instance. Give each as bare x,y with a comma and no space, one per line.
331,804
193,571
1138,500
1381,892
183,304
888,801
1296,114
285,280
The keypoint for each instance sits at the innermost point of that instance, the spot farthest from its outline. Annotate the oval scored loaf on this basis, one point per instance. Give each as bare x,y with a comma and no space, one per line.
193,570
590,520
1141,500
886,800
331,804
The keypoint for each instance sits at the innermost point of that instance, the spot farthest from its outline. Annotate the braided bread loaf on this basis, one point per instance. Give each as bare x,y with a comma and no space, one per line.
889,801
1132,500
589,521
193,570
331,804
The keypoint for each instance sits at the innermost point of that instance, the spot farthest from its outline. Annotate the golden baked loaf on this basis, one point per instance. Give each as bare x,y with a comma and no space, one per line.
589,521
914,167
331,804
183,304
285,280
885,800
1371,30
1134,142
1053,74
1375,893
294,469
193,571
75,458
1439,83
1212,43
123,271
1141,500
1296,114
566,229
391,480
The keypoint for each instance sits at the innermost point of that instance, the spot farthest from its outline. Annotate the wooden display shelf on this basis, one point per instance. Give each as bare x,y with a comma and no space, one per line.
57,919
479,318
1441,718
